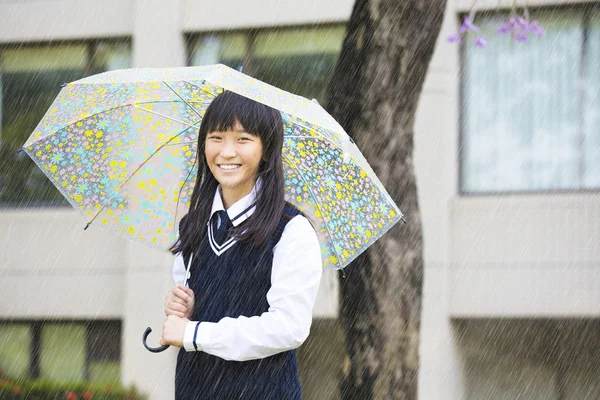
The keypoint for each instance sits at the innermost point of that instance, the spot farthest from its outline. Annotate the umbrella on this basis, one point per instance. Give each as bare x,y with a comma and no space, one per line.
121,148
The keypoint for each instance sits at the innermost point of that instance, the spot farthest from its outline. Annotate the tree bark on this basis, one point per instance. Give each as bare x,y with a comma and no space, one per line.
374,95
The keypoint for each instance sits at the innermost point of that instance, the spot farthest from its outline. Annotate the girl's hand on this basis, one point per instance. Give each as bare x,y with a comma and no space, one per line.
173,331
180,302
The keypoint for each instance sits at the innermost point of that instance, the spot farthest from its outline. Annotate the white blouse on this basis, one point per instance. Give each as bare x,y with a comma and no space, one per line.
295,278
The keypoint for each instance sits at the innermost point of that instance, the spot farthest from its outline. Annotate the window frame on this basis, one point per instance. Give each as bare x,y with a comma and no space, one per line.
37,325
91,46
251,33
587,10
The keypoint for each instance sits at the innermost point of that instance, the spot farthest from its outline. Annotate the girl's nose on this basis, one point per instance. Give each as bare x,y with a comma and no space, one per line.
228,149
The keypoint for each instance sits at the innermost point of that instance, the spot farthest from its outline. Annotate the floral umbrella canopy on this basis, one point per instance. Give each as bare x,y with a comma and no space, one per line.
121,147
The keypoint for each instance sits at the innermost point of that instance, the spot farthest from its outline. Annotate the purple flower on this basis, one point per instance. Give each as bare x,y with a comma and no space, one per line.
468,25
523,23
481,42
536,28
521,37
519,28
505,28
455,38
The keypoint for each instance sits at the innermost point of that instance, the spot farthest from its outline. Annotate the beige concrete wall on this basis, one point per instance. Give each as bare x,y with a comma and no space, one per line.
41,20
50,266
206,15
157,31
147,281
436,128
44,20
524,255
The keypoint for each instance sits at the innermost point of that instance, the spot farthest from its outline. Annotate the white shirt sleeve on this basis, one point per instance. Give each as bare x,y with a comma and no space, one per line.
179,270
295,279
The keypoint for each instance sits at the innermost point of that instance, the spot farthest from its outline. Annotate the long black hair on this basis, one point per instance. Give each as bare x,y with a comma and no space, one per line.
259,120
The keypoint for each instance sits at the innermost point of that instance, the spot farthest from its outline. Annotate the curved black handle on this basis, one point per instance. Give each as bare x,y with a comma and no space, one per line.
152,349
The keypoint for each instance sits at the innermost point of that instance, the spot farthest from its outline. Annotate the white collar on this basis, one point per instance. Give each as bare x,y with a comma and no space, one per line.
241,210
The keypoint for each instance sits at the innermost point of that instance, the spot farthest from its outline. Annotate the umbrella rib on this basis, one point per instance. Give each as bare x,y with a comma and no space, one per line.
181,188
324,138
356,163
100,112
199,116
199,87
296,121
316,204
133,173
181,143
184,100
162,115
334,145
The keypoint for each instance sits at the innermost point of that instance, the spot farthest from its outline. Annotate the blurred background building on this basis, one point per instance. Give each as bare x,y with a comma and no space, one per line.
508,167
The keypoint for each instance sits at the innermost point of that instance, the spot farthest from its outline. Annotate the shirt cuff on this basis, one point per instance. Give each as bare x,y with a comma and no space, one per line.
188,336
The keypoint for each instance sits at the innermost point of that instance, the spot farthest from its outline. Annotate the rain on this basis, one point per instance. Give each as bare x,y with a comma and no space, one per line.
465,136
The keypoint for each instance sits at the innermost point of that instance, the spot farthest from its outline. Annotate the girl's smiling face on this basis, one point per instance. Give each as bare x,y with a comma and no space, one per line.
234,158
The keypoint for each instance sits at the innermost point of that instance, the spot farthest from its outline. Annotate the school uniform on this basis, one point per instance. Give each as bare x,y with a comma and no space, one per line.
253,307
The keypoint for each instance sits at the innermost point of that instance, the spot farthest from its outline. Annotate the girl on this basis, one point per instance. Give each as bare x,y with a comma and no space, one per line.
253,264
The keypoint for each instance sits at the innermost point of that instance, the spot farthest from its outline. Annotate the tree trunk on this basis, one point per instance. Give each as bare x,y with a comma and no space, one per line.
374,95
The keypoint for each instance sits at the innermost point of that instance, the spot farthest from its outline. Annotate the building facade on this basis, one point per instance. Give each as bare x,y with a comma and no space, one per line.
507,155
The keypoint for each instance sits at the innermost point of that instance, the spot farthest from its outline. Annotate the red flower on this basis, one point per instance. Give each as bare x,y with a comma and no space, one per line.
16,390
87,395
130,396
71,396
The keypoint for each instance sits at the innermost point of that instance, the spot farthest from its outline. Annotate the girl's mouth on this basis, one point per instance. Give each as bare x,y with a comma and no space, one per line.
229,167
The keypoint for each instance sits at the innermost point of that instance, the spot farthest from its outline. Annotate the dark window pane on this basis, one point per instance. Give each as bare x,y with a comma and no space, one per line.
522,108
304,75
30,79
15,347
105,372
300,61
104,351
104,341
63,352
109,56
591,116
226,48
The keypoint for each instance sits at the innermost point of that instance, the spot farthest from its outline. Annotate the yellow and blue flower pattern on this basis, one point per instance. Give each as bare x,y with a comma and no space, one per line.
121,147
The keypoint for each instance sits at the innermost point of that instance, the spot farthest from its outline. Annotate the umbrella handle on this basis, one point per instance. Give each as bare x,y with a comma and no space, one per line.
152,349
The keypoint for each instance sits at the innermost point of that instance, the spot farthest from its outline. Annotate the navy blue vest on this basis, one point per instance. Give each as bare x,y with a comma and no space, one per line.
231,285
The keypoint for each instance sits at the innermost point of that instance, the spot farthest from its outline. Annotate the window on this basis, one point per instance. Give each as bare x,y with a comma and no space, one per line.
531,112
299,60
61,351
15,348
30,79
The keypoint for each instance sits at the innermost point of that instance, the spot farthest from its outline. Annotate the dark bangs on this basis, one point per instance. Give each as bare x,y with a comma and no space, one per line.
256,118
